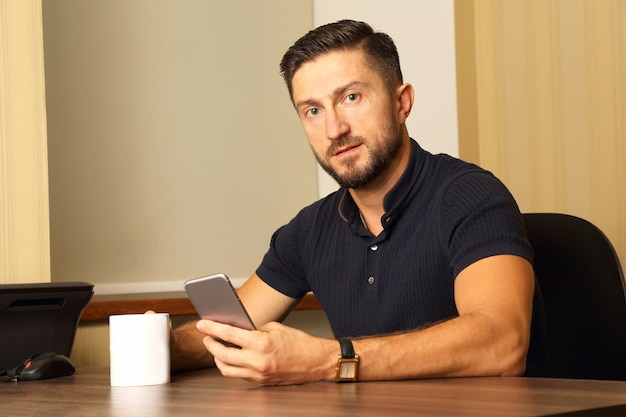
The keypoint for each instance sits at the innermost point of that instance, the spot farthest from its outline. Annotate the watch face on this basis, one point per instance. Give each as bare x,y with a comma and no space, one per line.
347,370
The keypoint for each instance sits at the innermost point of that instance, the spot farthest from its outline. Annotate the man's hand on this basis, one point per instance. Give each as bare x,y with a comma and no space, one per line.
272,355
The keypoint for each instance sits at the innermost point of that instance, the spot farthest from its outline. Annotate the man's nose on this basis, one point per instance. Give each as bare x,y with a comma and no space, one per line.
336,126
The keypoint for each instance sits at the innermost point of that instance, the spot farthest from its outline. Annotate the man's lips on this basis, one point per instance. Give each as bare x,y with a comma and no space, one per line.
346,149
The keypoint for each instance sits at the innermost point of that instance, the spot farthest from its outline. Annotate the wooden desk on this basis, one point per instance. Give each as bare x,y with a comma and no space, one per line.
206,393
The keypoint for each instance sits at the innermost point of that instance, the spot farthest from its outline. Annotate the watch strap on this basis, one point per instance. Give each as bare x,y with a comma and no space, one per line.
347,362
347,349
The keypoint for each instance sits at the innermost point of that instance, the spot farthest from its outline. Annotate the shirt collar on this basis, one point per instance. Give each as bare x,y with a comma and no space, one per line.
348,210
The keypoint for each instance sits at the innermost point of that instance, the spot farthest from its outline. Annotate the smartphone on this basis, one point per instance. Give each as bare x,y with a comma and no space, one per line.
215,298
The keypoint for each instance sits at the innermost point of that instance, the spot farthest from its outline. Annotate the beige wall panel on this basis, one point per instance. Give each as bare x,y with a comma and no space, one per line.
465,45
574,104
546,162
619,51
487,98
516,99
24,231
550,94
91,345
608,155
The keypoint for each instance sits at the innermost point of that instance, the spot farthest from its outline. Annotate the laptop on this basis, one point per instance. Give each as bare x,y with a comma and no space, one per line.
38,318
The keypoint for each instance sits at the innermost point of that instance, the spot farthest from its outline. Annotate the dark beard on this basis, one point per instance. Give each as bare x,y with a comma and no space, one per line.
380,157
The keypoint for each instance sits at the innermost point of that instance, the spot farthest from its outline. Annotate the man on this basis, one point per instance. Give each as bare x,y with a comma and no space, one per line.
419,261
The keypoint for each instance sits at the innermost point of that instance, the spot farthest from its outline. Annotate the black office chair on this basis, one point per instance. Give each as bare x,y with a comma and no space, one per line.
584,299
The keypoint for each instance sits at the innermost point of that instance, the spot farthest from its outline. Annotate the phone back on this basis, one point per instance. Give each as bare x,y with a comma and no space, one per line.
214,298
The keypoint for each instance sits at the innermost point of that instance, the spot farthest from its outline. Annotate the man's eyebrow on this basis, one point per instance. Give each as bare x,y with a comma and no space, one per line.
340,91
337,92
308,102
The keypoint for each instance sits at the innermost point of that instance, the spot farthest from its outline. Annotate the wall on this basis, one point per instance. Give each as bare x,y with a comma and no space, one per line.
423,31
174,150
543,103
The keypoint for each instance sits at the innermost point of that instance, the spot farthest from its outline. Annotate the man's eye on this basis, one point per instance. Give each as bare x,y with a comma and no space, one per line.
313,112
352,97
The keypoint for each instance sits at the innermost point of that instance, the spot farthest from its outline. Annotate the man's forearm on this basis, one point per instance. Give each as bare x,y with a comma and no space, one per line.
186,349
471,345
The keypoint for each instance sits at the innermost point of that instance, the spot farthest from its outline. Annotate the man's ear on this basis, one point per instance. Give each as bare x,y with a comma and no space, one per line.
406,96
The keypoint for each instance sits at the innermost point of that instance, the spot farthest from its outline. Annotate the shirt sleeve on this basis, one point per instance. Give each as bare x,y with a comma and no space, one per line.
481,219
282,267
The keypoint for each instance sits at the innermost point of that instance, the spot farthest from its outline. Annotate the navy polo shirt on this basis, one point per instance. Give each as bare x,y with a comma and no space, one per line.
443,215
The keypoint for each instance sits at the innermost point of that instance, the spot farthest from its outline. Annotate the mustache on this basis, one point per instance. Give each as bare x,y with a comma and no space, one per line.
342,142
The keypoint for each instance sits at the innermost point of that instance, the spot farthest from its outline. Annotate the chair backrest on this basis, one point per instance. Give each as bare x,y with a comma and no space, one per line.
582,284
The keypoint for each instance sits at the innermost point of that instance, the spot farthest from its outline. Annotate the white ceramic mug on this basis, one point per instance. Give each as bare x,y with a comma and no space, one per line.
140,349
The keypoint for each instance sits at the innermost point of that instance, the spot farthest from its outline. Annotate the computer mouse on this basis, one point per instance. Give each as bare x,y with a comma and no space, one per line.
44,366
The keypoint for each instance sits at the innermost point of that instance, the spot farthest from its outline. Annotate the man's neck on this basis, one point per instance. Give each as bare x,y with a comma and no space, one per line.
370,199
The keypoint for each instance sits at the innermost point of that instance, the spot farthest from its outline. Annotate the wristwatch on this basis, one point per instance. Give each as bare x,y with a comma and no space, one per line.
347,362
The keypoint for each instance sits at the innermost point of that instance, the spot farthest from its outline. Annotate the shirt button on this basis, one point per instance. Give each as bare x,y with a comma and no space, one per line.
370,280
374,247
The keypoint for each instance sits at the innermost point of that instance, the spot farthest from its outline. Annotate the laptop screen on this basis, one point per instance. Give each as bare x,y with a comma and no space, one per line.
41,317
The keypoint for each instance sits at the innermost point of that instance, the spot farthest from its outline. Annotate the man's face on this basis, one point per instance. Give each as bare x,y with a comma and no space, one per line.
348,115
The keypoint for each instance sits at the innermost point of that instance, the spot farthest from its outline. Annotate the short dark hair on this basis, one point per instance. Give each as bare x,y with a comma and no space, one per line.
346,35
